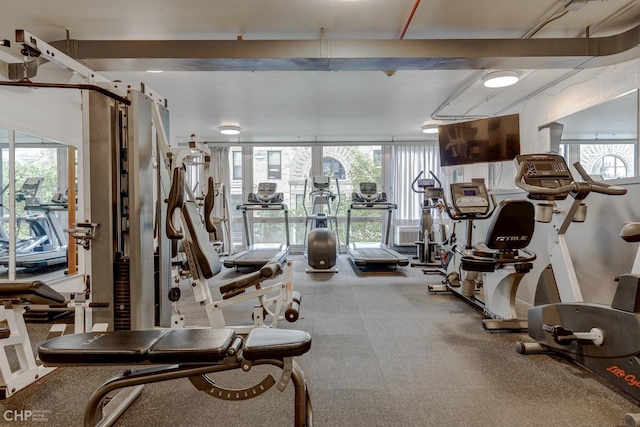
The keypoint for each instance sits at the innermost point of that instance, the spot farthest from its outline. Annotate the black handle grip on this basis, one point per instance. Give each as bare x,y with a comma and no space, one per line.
175,201
209,203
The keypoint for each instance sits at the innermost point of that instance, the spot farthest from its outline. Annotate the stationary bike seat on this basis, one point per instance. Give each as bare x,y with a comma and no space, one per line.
631,232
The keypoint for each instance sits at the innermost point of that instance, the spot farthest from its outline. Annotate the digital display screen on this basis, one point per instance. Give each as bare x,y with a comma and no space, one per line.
470,192
495,139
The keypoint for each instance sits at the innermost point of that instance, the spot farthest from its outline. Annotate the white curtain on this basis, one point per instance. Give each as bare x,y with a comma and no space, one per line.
406,163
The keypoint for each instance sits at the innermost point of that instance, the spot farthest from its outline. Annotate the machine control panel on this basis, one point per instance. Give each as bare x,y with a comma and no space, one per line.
266,195
426,183
470,198
545,170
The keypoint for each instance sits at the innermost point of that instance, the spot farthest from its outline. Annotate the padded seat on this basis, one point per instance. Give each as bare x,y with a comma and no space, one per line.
269,343
470,263
99,348
192,346
33,292
176,346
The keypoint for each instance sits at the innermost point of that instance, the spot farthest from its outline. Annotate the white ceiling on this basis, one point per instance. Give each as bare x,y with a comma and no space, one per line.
302,106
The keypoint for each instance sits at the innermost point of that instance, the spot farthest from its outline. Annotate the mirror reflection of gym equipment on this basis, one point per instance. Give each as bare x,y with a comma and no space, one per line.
42,242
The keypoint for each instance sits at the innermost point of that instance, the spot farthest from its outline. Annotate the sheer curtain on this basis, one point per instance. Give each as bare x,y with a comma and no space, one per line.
406,163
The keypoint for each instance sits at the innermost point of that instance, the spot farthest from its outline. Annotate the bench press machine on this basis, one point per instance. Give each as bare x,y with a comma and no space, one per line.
192,353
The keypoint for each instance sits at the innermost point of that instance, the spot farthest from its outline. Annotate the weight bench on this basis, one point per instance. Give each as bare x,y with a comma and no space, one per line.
14,297
190,353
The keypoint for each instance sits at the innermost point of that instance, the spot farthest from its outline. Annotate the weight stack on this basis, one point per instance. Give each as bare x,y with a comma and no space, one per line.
121,295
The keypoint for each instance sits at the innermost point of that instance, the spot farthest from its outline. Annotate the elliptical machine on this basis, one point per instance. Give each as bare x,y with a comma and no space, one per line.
603,338
487,275
433,231
322,242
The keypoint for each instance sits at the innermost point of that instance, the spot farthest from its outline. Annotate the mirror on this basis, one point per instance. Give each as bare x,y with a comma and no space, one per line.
41,207
604,138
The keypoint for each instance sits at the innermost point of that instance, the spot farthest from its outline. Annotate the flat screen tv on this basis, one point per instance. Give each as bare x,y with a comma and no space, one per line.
495,139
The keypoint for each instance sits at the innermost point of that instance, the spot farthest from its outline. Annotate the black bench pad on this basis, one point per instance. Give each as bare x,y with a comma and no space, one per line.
33,292
192,346
268,343
133,347
176,346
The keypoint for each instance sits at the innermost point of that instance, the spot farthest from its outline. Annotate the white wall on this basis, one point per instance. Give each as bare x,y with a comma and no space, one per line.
53,114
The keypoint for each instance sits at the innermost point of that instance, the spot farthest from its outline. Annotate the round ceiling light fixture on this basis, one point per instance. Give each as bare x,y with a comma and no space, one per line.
430,129
496,79
230,130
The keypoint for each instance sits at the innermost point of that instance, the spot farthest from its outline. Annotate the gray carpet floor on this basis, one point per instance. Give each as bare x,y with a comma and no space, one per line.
385,352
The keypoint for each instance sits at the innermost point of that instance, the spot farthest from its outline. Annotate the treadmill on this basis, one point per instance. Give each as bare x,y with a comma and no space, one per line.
47,245
367,254
257,255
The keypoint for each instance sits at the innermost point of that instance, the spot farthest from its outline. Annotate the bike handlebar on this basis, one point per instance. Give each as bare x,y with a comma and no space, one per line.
595,186
413,184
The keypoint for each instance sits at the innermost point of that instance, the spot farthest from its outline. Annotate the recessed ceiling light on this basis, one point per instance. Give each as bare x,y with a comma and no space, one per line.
497,79
430,129
155,71
230,130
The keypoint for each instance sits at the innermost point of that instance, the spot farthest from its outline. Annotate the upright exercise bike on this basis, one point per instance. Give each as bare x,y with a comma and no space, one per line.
321,225
603,338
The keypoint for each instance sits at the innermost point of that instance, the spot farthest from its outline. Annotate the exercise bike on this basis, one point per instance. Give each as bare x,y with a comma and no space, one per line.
603,338
322,241
433,231
487,276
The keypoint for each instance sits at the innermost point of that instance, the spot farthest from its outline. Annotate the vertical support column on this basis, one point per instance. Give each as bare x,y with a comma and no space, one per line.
163,185
12,205
71,210
100,177
141,202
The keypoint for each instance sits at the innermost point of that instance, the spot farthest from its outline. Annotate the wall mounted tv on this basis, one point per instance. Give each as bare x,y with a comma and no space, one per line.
495,139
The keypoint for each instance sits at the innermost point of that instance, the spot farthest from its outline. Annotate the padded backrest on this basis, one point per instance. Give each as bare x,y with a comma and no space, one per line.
204,253
33,292
512,225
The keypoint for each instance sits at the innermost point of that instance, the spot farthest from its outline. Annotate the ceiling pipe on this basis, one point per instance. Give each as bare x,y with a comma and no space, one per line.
404,31
559,12
406,26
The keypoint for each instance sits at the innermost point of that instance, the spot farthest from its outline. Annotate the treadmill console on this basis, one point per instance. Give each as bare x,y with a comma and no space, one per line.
368,188
321,182
470,198
545,170
368,194
266,194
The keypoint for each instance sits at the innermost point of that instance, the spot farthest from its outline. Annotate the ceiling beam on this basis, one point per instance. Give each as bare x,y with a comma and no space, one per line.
352,55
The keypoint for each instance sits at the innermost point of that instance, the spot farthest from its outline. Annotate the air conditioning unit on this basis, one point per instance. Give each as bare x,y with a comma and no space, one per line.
407,235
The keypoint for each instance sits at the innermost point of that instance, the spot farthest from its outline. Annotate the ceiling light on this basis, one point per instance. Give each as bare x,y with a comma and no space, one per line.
230,130
501,78
155,71
431,129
